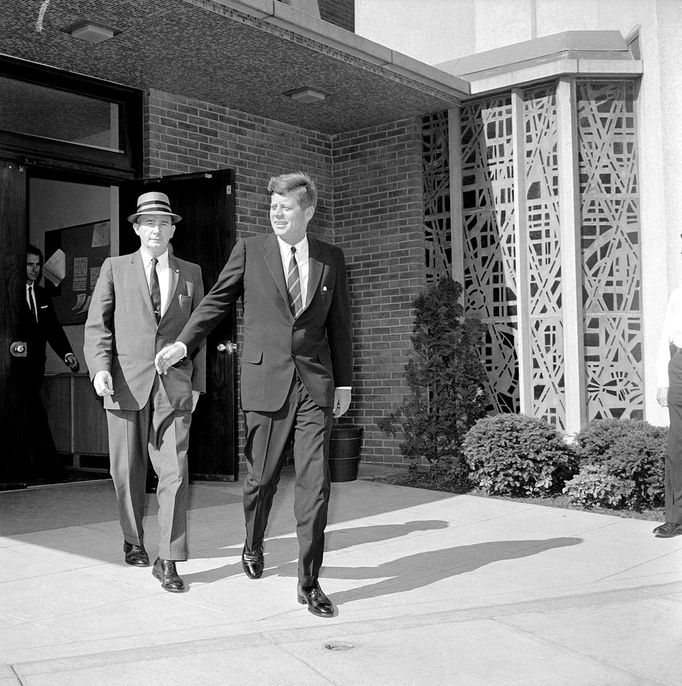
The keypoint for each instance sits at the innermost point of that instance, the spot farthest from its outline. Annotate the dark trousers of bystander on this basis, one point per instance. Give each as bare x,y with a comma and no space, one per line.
673,462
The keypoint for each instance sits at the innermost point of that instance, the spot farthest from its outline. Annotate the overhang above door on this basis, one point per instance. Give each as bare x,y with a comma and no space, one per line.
241,54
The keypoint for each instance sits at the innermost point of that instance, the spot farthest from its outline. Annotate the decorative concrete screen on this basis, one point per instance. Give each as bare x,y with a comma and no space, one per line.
436,182
489,241
543,249
610,249
517,279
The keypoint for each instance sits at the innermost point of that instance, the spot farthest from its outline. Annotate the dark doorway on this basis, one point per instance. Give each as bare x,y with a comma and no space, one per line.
206,236
13,415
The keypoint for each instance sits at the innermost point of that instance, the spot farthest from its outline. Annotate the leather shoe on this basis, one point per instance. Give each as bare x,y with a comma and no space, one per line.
668,530
165,572
317,601
252,562
135,555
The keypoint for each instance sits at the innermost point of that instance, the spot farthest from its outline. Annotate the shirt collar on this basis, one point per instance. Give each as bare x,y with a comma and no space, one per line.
147,258
301,248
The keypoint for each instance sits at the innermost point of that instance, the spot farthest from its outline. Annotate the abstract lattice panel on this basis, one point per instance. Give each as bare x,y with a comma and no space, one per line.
436,183
541,169
502,365
613,356
610,245
489,240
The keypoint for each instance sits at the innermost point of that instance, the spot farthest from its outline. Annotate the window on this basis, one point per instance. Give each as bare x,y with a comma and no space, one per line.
59,116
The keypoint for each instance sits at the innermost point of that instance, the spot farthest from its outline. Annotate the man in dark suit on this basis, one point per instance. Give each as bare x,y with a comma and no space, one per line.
140,304
41,326
295,372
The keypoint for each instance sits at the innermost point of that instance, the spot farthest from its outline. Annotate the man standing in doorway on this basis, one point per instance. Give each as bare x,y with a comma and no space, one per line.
41,327
140,304
295,373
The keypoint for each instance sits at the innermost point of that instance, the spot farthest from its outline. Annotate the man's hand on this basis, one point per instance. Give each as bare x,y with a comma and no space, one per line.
195,399
662,397
103,383
72,362
167,357
341,401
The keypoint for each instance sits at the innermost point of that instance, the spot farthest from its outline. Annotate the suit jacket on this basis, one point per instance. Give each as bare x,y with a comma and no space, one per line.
46,329
318,343
122,336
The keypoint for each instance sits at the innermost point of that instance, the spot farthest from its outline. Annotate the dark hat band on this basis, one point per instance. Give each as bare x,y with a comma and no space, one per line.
153,206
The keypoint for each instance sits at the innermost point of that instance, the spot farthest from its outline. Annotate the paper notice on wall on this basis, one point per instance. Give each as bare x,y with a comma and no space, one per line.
100,234
80,274
54,268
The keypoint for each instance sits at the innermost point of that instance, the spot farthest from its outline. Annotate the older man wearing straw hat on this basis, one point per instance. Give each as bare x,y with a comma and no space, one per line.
140,304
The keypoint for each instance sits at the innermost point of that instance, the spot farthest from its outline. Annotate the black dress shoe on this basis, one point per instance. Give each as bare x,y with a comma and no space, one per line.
135,555
252,562
317,601
668,530
165,572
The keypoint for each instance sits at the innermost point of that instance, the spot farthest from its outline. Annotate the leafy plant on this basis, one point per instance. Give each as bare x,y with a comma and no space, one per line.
517,455
446,381
594,486
630,450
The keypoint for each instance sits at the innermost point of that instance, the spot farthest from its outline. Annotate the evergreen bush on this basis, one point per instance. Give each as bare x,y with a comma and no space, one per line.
446,382
516,455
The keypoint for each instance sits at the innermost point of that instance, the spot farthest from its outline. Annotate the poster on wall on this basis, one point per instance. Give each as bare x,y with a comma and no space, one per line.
73,259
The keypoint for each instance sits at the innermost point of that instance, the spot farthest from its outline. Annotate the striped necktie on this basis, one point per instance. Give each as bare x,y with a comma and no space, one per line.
294,285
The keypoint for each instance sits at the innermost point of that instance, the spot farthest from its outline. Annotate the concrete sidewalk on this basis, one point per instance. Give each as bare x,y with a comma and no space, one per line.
432,588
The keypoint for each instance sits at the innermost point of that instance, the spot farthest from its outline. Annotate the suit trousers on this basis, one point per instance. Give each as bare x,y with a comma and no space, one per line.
158,433
673,460
267,434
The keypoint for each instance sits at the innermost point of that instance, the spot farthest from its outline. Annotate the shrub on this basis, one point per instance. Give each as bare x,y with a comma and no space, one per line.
446,380
593,486
516,455
629,450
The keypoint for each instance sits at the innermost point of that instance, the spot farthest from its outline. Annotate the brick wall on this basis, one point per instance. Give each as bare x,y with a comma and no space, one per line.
370,204
378,221
186,135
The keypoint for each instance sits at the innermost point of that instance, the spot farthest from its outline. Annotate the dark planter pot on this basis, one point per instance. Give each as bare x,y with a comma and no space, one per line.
344,452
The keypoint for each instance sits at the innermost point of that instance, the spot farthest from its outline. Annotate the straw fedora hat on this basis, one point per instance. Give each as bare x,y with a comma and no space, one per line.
154,203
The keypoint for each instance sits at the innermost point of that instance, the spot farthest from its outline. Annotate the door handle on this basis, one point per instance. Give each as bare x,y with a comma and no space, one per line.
227,347
18,349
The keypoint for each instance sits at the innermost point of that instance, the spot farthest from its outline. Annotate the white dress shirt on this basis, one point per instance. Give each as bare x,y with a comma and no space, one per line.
302,261
163,270
672,334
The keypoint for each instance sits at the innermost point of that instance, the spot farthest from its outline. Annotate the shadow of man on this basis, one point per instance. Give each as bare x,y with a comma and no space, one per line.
424,568
281,553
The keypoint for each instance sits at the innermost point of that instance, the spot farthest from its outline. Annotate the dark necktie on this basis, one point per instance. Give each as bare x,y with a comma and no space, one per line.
31,303
155,290
294,285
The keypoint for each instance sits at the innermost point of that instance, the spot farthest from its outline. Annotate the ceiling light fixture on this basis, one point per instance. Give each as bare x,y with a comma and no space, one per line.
91,32
306,95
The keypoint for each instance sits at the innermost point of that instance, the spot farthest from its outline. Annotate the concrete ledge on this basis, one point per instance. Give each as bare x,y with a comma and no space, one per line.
540,49
560,67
